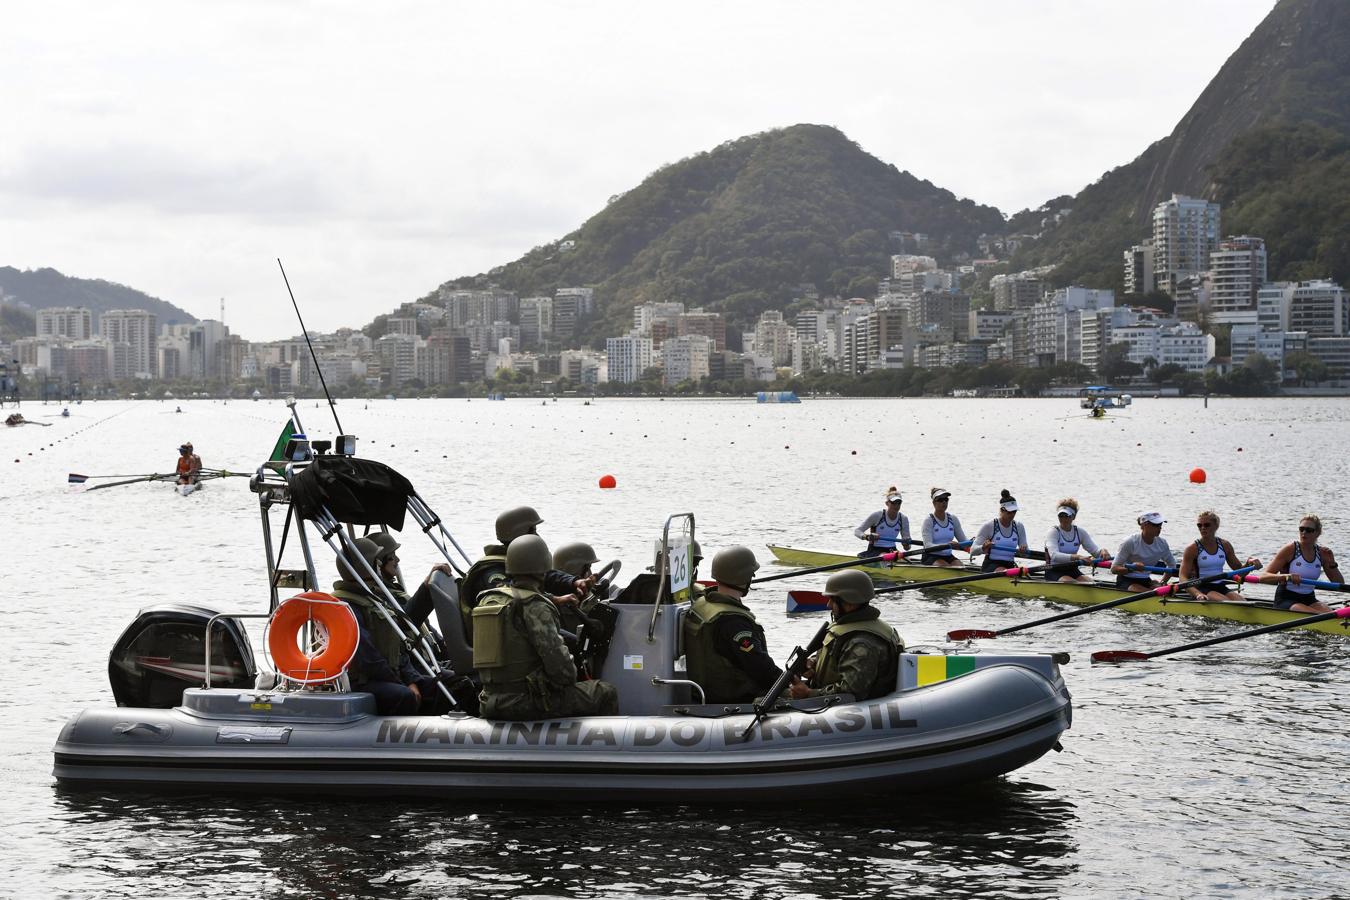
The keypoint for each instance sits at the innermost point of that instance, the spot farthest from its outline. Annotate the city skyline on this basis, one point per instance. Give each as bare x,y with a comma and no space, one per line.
180,149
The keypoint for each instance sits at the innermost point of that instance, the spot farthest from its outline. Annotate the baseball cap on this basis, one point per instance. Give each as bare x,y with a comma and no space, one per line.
1152,518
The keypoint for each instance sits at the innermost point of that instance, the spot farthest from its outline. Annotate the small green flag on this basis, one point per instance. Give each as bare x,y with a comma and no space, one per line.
279,451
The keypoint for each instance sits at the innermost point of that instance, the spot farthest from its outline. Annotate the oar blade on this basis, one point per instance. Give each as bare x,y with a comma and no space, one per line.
74,478
1118,656
806,602
971,634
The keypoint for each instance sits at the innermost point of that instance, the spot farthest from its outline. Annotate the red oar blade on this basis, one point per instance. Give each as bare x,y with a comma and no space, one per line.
971,634
806,602
1114,656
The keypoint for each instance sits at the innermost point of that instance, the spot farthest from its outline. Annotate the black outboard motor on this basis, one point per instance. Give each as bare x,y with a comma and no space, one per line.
164,651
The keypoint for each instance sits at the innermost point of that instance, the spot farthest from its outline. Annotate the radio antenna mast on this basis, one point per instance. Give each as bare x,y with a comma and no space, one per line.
312,355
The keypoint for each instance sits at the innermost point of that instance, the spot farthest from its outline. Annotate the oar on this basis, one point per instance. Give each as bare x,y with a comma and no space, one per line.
1166,590
1014,572
860,561
1320,585
99,487
1128,655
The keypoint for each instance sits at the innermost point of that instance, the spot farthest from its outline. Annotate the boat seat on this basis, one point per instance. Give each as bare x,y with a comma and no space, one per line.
445,600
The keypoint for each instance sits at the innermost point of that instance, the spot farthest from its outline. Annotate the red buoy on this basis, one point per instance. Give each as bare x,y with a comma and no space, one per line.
1198,476
607,482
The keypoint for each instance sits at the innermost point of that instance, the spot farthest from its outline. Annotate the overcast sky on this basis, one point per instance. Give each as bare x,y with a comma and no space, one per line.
382,148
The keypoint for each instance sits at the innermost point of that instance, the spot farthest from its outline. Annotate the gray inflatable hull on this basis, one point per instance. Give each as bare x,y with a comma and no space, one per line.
980,725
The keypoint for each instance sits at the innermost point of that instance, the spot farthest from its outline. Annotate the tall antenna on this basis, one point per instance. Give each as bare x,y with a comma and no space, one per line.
312,355
222,310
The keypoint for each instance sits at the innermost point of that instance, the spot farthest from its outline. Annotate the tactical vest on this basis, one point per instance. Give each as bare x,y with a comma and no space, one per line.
385,636
489,572
838,637
502,654
721,681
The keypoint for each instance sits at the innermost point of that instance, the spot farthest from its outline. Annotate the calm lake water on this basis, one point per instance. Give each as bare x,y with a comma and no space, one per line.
1214,773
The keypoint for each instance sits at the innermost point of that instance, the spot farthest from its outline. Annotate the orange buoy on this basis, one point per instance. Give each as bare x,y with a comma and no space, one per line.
336,630
608,481
1198,476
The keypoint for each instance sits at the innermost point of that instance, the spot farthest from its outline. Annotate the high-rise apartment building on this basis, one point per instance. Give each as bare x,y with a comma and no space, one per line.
76,323
1139,268
1237,270
1021,290
628,356
139,331
1185,233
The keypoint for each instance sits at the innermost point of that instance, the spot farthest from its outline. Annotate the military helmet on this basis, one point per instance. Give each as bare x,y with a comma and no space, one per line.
574,558
515,522
369,551
850,586
735,566
695,551
385,541
528,555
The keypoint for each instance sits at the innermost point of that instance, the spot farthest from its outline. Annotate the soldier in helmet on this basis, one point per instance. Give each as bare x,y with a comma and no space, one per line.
861,653
525,667
381,665
724,646
592,612
490,570
645,585
420,604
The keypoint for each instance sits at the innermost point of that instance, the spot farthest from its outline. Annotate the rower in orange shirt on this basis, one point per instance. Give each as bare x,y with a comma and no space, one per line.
189,465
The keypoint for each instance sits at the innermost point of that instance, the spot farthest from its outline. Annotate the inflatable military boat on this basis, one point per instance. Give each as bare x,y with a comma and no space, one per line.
195,712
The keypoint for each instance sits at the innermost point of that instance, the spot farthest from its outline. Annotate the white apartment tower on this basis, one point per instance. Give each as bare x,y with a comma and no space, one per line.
1237,272
628,356
72,322
1139,268
139,330
1185,233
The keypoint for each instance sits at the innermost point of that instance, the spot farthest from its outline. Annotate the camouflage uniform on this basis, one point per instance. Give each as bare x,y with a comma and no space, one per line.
531,675
859,657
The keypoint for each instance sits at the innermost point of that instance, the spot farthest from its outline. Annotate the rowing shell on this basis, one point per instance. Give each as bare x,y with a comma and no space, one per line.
1255,612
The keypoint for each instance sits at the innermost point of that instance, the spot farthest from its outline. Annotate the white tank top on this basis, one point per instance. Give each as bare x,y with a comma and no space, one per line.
1003,547
887,533
1069,545
1209,565
1308,570
943,533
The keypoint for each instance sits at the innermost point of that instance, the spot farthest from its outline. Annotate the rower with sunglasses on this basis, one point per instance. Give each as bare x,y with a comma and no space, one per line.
1207,557
1068,546
885,528
941,527
1139,551
1303,560
1001,540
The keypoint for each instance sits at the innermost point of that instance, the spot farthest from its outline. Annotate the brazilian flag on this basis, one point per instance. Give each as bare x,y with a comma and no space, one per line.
279,451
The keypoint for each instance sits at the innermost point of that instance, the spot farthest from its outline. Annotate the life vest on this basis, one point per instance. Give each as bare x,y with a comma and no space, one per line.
838,637
383,635
503,656
721,681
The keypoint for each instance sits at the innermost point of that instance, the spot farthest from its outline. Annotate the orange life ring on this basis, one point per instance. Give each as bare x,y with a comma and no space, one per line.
337,621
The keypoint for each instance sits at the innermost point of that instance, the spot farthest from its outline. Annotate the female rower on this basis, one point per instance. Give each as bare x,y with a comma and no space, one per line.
941,527
1147,548
885,528
1207,557
1068,546
1001,540
1303,560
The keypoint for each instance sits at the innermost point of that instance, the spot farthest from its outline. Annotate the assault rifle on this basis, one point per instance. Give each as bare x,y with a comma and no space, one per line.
796,665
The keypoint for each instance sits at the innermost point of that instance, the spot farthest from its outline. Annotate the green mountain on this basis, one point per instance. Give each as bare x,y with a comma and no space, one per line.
740,228
1286,83
40,288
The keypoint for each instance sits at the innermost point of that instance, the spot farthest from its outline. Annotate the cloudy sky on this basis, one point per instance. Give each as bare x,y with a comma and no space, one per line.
382,148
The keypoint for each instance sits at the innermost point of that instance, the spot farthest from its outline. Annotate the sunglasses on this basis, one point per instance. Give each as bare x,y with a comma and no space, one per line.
1204,524
941,499
1304,529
